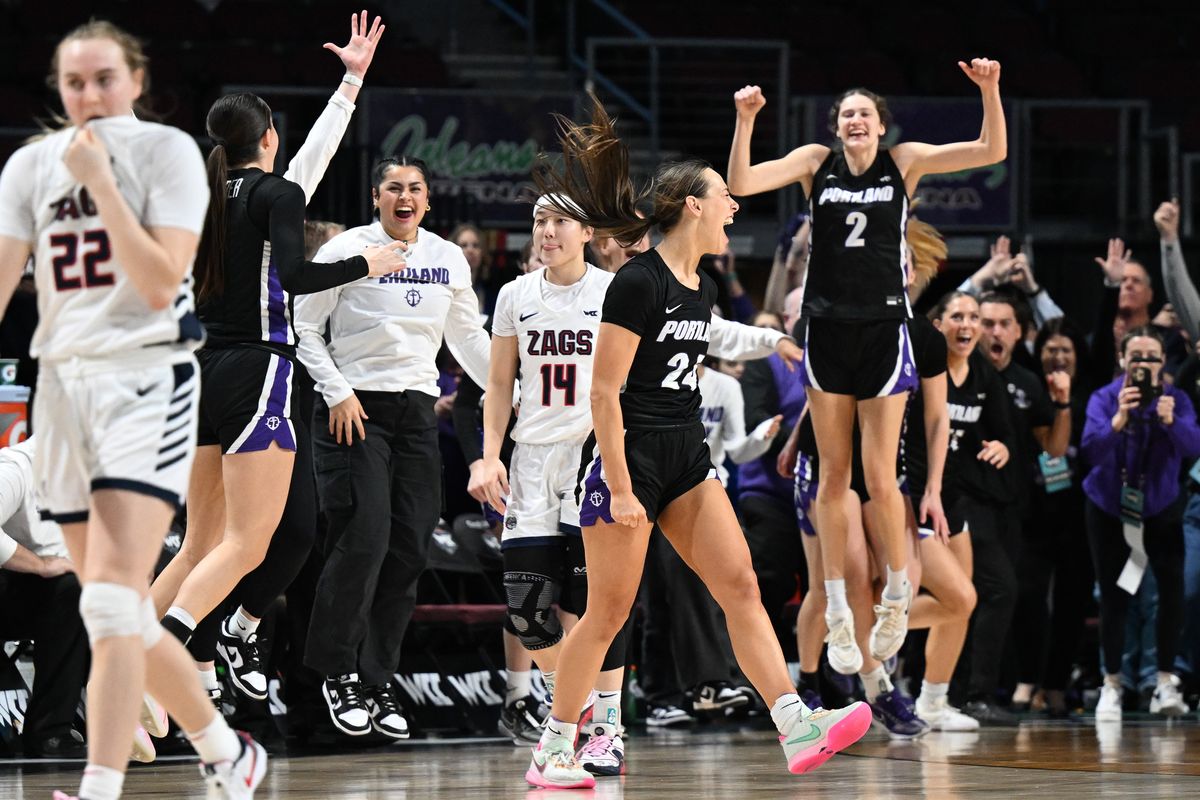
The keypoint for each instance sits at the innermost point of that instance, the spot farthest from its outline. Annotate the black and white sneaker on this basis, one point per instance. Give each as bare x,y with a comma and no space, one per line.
346,707
384,710
717,696
668,717
243,662
522,720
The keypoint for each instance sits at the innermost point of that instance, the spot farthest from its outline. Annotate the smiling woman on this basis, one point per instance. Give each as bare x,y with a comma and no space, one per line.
375,439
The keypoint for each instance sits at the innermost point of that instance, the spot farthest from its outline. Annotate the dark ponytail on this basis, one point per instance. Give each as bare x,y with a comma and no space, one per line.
236,124
595,174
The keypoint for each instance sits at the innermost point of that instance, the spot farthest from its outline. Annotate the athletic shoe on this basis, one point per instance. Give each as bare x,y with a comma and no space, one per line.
812,739
237,779
242,659
892,711
942,716
1108,708
891,626
843,653
717,696
386,715
153,717
555,767
346,708
1167,699
990,714
143,747
604,753
64,796
216,697
520,720
668,716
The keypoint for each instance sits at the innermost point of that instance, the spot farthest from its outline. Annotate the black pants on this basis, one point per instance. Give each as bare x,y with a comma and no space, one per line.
1053,567
46,610
1164,546
778,557
382,497
684,640
290,545
994,532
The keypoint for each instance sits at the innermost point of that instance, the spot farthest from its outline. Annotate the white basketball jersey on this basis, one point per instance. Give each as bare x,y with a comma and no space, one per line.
556,328
86,302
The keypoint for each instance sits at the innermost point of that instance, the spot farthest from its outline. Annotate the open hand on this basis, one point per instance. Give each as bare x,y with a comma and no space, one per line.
358,52
1113,263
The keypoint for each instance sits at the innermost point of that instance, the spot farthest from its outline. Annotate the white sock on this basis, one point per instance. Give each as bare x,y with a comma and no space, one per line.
217,742
607,710
241,625
548,679
556,729
931,692
101,783
897,584
785,711
875,683
835,593
520,685
208,679
1166,678
1113,681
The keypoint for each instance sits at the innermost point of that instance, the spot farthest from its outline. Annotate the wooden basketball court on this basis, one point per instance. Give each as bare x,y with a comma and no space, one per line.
1144,760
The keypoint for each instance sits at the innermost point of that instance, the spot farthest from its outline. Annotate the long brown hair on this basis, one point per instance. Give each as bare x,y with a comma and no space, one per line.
236,124
594,172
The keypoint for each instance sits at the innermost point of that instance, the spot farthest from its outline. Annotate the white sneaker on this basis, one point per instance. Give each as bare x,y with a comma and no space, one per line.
603,754
554,766
1168,700
891,626
942,716
843,653
237,779
143,747
153,717
1108,709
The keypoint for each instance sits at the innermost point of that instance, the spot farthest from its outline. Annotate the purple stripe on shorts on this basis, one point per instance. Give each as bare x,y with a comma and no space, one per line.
593,505
273,425
805,493
908,379
276,305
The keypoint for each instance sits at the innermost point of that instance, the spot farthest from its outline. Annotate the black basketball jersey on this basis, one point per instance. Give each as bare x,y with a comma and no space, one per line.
979,412
856,250
264,264
661,391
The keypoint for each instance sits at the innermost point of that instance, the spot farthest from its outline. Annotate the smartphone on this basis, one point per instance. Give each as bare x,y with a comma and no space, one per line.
1149,390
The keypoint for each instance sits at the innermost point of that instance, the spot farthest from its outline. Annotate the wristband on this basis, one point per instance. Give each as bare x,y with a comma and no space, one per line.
1059,405
353,80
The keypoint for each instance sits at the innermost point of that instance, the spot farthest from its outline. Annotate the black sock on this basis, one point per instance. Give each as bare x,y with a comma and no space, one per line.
177,628
810,681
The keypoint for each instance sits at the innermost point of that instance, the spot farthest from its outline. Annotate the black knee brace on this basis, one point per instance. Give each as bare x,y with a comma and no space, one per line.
531,613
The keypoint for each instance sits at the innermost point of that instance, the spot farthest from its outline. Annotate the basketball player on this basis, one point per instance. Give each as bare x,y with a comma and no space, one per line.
858,357
111,209
647,460
250,264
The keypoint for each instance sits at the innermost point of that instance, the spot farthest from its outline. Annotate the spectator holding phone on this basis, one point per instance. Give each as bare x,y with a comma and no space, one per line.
1139,430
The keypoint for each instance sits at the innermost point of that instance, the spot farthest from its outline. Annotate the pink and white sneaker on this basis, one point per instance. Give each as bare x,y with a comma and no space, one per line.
143,747
64,796
603,754
813,739
153,717
554,766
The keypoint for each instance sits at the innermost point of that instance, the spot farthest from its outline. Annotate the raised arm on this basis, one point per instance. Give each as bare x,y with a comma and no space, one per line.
1181,292
308,166
747,179
916,159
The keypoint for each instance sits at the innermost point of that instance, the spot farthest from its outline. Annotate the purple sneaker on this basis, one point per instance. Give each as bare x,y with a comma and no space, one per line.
893,712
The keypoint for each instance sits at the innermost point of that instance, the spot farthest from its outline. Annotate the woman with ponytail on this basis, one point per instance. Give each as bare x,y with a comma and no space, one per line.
250,264
646,461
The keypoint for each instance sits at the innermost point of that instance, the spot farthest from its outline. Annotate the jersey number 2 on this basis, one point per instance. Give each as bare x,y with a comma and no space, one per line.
858,222
66,277
558,376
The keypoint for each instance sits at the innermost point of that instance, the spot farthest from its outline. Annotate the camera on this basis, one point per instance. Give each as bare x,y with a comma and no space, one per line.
1141,377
